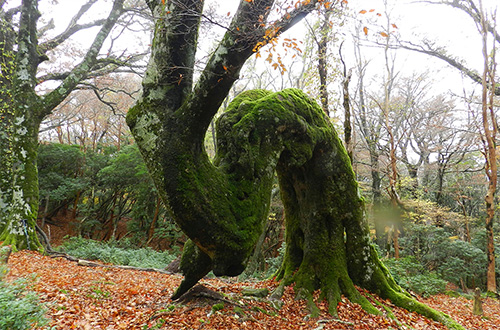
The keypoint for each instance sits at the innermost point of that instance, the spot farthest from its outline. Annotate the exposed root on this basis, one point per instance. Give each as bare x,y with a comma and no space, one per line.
201,292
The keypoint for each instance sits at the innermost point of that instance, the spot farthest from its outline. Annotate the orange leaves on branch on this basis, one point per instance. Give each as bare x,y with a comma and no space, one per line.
258,46
330,4
271,33
271,39
384,34
291,44
363,11
301,3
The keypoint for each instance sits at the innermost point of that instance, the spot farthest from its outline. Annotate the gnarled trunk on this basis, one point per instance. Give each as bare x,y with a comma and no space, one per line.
222,205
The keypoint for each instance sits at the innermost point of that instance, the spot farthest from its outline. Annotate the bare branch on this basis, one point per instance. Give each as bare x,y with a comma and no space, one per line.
53,43
428,49
80,72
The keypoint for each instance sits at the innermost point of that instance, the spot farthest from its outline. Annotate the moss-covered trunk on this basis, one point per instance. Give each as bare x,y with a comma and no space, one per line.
19,188
320,197
222,205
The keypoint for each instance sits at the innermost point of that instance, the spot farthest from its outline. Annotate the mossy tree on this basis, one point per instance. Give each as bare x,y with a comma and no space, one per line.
23,107
222,205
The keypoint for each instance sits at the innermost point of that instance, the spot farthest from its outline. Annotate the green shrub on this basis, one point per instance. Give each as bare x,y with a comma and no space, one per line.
412,276
19,308
116,252
427,284
274,264
437,249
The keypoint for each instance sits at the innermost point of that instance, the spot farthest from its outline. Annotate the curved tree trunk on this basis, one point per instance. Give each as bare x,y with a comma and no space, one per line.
222,205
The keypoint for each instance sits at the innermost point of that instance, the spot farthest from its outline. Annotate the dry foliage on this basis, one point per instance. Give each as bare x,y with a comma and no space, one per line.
108,298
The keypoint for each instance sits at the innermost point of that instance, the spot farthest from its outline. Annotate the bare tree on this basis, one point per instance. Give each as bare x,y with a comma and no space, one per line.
430,48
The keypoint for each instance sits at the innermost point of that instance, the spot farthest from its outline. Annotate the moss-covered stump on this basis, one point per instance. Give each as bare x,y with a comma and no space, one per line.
223,205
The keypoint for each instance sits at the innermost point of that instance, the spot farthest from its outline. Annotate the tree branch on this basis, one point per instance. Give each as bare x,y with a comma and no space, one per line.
428,49
104,66
53,43
112,105
237,45
80,72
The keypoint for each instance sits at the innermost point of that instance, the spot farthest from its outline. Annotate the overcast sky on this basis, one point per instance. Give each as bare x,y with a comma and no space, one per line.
447,26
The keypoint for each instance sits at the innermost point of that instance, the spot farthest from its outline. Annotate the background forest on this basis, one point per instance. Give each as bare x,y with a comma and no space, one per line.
412,124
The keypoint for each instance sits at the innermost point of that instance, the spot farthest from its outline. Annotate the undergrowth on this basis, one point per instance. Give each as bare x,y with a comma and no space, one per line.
117,252
407,271
412,276
20,308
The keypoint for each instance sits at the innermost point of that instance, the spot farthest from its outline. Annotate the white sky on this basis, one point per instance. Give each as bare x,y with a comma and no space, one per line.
449,27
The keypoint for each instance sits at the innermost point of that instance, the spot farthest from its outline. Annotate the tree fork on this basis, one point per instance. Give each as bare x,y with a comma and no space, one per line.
223,206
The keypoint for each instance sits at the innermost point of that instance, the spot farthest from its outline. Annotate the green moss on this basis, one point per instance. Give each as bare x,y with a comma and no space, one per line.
451,293
132,115
217,307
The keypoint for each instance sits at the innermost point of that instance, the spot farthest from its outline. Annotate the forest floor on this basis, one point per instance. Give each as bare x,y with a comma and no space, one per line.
80,297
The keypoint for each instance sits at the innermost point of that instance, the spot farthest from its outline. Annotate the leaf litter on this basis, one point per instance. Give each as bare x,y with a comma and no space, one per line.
79,297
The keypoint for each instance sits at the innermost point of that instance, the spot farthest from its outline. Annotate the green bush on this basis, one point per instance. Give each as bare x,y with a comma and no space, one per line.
116,252
412,276
274,264
59,166
437,249
19,308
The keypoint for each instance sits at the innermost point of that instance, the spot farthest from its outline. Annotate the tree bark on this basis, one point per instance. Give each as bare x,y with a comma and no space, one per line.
222,205
20,196
477,309
490,131
325,31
